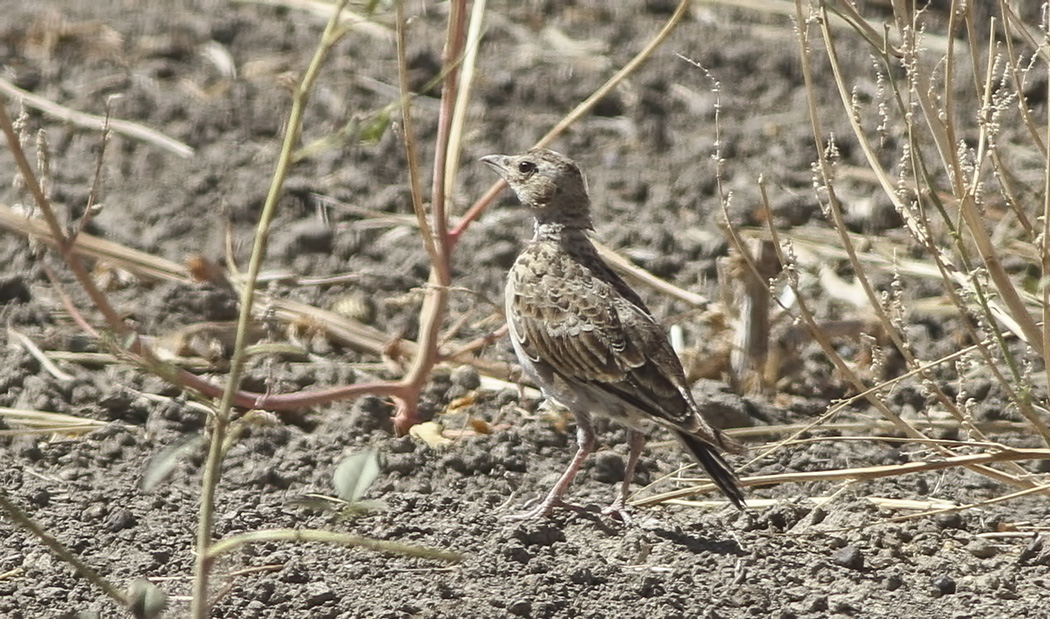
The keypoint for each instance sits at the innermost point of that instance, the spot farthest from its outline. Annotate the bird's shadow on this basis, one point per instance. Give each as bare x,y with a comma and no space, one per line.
692,542
698,544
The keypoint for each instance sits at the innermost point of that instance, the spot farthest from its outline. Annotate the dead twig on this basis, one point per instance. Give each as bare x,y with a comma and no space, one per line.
94,123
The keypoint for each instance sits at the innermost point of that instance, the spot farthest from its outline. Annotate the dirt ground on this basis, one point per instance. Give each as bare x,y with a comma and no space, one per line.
648,153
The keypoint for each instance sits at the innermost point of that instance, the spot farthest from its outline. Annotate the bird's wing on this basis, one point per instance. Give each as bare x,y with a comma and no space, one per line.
579,337
588,326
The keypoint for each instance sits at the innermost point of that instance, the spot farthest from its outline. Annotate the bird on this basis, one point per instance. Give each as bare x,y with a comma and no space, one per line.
587,339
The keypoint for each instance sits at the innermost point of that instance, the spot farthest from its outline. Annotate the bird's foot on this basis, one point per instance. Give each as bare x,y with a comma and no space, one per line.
619,511
545,509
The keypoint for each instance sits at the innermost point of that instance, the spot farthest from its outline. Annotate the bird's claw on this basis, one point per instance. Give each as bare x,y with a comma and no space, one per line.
544,509
619,511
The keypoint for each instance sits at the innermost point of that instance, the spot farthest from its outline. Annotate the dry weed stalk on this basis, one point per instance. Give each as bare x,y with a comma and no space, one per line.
941,190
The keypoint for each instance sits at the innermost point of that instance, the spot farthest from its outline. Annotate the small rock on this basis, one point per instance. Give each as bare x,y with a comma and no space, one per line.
538,534
951,520
893,582
582,576
987,582
839,605
402,445
515,551
41,498
404,464
467,377
1033,553
651,586
14,288
119,520
982,549
609,467
93,512
849,557
318,593
521,608
943,585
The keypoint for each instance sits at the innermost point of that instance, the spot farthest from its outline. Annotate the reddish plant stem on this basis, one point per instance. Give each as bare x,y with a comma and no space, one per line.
435,305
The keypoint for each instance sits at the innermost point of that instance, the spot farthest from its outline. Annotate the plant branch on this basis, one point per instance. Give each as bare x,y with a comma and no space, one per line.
213,465
23,520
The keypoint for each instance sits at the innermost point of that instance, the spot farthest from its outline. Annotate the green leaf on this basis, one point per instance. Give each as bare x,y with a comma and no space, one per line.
146,600
355,474
373,130
162,464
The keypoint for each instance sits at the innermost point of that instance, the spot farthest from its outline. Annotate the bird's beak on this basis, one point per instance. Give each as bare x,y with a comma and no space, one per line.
496,162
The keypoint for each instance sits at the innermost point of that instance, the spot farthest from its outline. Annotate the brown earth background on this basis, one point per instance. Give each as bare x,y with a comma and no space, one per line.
648,150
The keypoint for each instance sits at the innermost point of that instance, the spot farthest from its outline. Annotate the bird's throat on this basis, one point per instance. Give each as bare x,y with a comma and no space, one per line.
557,232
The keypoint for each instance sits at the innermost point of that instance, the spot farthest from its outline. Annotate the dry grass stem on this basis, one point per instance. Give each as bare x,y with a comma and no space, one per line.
45,422
918,228
887,503
637,274
39,355
1003,454
751,335
95,123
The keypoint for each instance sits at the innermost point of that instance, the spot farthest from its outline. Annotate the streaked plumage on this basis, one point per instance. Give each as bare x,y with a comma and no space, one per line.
586,338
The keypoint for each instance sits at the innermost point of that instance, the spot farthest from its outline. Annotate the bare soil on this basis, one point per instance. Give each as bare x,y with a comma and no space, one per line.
648,152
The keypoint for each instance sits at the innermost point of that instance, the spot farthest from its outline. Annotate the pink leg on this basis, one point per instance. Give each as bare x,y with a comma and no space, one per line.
585,438
618,509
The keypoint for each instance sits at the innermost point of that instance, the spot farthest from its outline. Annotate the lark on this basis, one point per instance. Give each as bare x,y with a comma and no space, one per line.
588,340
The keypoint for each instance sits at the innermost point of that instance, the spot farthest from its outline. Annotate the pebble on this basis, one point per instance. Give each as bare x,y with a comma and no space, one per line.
466,376
318,593
943,585
849,557
982,549
951,520
521,608
538,534
893,582
119,520
14,288
609,467
93,512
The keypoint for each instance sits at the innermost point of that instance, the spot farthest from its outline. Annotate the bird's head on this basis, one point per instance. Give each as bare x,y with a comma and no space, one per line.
549,183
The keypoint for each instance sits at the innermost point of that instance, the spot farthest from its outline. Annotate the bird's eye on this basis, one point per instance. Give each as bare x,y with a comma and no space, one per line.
526,167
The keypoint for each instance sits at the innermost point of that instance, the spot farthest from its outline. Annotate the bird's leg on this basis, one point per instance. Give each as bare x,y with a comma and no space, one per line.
618,509
585,438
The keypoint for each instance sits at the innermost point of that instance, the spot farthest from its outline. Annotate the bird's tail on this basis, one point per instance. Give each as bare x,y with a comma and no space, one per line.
716,466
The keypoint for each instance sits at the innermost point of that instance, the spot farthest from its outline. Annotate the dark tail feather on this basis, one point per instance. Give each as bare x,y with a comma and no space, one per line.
721,474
